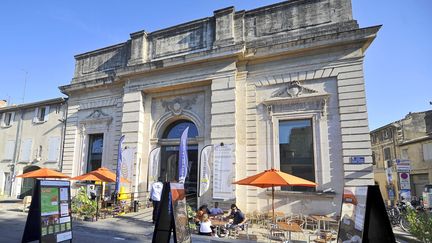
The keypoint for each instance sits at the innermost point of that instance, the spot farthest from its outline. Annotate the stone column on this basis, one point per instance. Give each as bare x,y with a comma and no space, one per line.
132,128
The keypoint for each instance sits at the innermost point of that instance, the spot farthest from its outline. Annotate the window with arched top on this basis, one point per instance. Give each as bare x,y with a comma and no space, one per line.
176,129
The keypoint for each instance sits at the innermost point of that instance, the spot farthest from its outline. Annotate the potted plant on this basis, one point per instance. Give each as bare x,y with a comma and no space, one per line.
83,206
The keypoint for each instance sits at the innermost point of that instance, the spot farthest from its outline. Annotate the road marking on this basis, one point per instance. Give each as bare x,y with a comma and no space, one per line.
119,238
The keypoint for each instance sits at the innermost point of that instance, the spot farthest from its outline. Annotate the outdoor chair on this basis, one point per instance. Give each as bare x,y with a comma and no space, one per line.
274,232
310,223
234,233
322,236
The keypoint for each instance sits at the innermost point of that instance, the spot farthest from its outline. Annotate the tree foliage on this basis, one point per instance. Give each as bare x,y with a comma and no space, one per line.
420,225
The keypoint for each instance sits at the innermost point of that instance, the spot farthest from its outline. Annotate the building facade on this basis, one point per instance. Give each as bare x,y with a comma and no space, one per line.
31,137
402,152
279,86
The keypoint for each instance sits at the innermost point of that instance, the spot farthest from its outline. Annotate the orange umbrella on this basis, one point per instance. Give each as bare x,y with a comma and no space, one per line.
101,174
272,178
43,173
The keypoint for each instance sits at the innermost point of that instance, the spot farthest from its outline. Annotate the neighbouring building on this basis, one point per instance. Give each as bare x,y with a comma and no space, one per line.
279,86
402,152
31,137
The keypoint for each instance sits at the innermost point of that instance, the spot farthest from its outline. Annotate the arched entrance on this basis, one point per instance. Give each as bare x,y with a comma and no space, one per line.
28,183
170,156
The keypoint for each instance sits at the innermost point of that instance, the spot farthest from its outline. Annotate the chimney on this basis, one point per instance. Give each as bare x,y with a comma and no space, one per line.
3,103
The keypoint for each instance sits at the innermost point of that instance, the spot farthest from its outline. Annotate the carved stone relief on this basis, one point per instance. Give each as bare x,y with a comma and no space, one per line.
177,105
292,89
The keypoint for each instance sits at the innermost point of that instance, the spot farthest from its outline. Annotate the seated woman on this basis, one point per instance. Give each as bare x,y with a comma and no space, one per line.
205,226
200,213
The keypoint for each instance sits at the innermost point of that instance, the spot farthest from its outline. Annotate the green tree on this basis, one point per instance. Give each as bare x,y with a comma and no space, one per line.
420,225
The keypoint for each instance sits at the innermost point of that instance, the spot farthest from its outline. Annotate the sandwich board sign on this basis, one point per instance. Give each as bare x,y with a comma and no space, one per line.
49,218
172,215
364,217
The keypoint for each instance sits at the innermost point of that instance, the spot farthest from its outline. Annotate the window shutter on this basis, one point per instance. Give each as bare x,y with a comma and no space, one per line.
2,116
427,151
9,150
46,113
26,150
35,117
53,149
12,118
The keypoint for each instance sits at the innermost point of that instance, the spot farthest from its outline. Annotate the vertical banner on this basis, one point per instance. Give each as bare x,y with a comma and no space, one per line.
153,170
183,156
206,156
127,165
223,173
119,162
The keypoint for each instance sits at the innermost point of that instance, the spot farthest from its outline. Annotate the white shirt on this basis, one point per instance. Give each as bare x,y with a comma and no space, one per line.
156,191
205,227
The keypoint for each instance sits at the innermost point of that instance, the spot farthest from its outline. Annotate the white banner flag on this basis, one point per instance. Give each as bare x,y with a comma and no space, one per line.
223,171
153,170
206,156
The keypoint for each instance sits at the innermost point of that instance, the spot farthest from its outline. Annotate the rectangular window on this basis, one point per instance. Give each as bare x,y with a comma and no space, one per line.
41,114
404,154
296,151
94,158
7,119
387,154
26,148
53,149
9,150
427,151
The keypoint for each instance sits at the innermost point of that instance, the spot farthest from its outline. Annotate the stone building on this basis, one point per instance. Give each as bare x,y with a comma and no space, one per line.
403,146
31,137
281,86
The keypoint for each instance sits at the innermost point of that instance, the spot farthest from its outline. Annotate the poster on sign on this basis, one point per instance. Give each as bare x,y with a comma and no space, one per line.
49,218
223,171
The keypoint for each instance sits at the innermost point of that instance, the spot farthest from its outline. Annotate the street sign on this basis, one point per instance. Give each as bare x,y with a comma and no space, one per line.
357,160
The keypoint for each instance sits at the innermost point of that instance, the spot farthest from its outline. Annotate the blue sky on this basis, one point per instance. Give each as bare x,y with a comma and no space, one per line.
40,38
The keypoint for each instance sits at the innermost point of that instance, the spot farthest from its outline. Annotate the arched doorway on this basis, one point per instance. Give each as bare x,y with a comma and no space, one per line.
28,183
170,156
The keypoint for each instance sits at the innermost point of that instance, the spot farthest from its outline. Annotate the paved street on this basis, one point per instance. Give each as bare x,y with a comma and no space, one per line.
133,227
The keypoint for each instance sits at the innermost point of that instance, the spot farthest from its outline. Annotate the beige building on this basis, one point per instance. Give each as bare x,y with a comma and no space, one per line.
31,137
279,86
403,146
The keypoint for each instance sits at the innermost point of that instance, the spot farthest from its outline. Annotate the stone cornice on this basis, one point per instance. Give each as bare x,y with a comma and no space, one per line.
363,36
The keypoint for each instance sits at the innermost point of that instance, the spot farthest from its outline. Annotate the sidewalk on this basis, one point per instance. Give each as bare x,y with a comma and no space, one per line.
7,203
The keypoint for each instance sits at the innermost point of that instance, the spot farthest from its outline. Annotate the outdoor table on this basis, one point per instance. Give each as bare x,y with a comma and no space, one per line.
218,224
324,219
289,227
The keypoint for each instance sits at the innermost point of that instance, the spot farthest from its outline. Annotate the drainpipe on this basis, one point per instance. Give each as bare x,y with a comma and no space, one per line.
16,149
63,121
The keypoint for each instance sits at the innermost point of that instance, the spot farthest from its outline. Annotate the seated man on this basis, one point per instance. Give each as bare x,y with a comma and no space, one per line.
216,210
238,218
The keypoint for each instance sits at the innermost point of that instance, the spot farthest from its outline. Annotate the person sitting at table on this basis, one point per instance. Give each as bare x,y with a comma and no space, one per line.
205,226
216,210
200,213
238,218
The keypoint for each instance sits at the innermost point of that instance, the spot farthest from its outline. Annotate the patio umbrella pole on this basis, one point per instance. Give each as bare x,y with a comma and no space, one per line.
274,220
